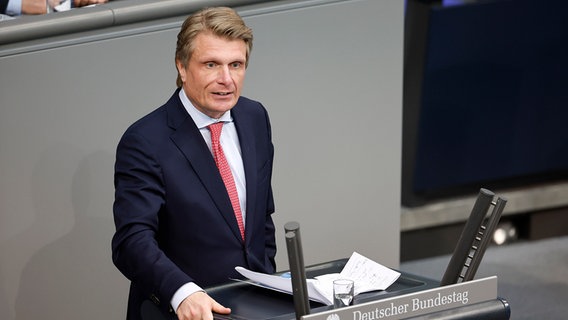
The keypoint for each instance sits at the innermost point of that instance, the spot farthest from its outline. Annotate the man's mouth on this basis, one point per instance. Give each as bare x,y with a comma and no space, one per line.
222,93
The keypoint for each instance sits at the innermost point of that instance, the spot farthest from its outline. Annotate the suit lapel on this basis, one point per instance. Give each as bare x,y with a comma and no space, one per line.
188,139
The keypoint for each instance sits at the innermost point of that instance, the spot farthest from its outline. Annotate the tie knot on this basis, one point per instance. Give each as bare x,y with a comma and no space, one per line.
215,129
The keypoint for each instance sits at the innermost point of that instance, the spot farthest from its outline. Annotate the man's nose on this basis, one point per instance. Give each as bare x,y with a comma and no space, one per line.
224,75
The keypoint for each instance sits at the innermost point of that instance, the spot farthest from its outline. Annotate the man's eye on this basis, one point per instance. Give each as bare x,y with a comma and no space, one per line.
210,65
236,65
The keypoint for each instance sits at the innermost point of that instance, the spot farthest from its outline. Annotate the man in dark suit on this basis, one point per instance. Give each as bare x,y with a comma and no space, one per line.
177,216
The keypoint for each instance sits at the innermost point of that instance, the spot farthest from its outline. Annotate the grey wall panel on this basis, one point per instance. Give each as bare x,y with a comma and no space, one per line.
63,111
331,67
331,79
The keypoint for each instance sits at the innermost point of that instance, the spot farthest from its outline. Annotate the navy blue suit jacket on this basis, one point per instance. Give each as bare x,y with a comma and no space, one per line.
173,216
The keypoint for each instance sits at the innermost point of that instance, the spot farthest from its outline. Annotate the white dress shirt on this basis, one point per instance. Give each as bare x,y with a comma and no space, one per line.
14,8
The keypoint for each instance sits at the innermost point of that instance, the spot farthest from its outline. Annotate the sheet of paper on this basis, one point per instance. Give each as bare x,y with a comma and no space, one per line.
283,284
367,274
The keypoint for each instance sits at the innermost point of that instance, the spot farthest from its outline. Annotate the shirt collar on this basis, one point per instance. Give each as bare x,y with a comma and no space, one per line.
201,120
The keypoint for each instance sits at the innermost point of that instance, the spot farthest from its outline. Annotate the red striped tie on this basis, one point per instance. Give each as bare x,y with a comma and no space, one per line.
226,174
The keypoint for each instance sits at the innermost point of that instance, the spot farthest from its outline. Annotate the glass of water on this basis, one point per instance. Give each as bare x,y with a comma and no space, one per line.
342,292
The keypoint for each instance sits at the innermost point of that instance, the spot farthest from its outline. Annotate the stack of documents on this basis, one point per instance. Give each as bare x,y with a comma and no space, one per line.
367,275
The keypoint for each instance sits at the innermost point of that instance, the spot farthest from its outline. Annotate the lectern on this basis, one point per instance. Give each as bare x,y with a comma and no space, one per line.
410,297
251,302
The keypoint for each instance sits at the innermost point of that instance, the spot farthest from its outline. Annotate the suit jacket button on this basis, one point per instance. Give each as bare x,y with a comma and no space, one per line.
155,299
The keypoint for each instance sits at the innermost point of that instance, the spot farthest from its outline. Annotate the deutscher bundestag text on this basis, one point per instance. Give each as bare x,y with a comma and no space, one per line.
415,305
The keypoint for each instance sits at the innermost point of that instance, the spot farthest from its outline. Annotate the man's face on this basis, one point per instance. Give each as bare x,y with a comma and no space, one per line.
214,74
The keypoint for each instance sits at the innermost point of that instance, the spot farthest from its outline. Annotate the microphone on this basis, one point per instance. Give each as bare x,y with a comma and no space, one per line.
297,269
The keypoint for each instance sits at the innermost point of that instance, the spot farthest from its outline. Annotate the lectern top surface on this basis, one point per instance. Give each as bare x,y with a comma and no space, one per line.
254,303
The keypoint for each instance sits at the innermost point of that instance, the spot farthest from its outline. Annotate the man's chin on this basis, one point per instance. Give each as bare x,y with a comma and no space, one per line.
223,106
218,111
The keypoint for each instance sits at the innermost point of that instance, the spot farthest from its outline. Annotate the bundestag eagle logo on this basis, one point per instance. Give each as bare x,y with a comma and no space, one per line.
333,317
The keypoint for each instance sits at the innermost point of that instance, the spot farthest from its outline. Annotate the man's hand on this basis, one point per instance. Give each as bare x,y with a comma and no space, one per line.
34,7
82,3
199,306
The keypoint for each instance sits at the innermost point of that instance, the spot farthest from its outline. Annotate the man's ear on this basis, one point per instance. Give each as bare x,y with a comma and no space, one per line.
181,70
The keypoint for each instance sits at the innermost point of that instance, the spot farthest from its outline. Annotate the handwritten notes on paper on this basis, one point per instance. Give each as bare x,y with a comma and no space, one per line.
367,274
